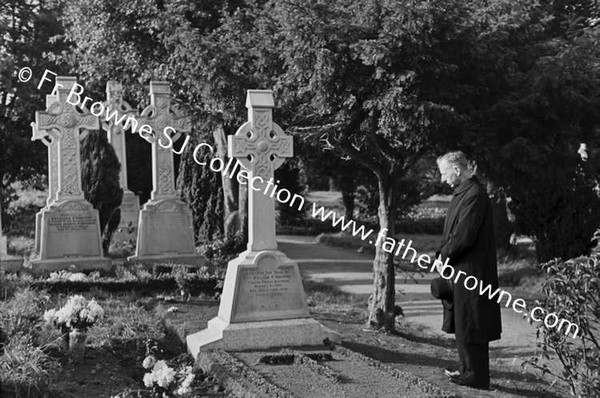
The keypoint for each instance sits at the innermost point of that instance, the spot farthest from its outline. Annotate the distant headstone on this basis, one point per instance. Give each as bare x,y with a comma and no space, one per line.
263,303
7,263
165,232
70,227
130,206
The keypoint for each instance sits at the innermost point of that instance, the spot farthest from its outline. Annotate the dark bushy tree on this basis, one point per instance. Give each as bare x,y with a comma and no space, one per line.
201,188
25,29
100,169
288,176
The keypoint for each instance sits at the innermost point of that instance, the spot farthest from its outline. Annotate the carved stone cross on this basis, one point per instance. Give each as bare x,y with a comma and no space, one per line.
159,115
68,120
260,146
116,132
49,138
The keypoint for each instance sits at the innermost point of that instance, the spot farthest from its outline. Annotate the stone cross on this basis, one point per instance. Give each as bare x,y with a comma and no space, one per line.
159,115
68,120
50,139
261,146
116,132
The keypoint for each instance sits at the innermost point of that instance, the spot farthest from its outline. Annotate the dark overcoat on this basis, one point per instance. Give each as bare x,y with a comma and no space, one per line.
468,242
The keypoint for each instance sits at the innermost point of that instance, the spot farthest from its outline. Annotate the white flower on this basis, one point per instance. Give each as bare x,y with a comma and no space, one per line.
96,311
160,365
184,388
149,362
50,316
148,379
84,313
163,374
63,316
80,276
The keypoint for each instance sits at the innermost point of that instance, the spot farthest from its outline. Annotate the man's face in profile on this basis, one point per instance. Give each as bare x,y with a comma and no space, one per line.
450,174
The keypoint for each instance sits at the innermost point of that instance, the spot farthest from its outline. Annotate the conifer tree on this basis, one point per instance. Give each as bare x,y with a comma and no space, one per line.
201,189
100,169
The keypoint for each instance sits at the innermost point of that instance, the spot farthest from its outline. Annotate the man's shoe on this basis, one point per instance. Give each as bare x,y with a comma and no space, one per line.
462,381
451,373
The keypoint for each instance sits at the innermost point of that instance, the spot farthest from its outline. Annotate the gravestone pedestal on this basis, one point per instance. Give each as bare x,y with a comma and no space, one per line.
8,263
130,211
165,234
70,235
263,305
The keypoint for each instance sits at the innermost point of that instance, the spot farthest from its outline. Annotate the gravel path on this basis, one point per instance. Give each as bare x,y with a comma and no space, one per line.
352,272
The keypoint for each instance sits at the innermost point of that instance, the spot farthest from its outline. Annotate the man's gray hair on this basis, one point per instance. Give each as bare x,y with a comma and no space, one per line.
456,158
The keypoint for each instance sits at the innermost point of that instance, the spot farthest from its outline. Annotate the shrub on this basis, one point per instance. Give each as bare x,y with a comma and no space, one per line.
288,177
100,182
22,313
572,293
25,368
221,250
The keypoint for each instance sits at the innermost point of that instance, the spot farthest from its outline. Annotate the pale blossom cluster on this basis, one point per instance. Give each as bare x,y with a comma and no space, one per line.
63,275
166,378
77,313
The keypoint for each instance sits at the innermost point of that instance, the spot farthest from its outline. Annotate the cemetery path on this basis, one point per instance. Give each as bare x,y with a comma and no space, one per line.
351,272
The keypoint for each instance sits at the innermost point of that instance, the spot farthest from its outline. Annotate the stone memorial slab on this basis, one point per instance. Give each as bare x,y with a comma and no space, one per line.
165,230
263,303
130,206
70,226
7,262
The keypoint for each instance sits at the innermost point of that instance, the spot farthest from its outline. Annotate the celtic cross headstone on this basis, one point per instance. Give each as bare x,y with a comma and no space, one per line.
165,231
263,303
130,205
70,227
261,147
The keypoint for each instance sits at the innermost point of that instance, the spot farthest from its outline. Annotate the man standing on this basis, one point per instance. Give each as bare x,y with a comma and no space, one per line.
468,243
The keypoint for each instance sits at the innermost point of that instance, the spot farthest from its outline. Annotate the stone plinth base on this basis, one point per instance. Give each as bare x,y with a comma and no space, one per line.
260,335
73,264
10,263
130,212
164,259
165,229
69,229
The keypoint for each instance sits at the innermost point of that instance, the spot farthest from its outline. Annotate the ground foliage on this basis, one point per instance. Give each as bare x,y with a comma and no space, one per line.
572,293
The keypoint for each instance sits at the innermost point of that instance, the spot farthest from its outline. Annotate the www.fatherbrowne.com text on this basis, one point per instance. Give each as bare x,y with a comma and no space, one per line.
233,168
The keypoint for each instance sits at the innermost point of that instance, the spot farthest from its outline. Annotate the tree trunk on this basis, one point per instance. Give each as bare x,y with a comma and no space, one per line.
502,226
382,312
332,184
229,186
347,187
231,213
